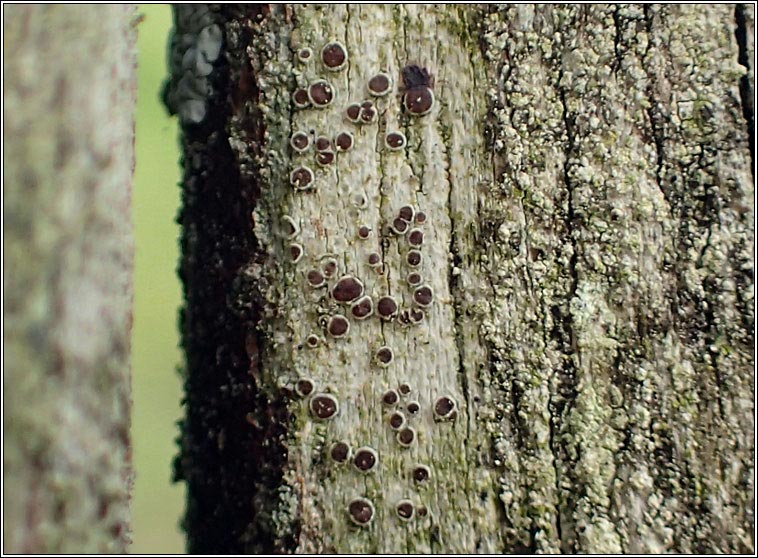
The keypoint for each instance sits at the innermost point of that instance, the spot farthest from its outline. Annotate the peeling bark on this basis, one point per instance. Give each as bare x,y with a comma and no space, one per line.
69,97
586,176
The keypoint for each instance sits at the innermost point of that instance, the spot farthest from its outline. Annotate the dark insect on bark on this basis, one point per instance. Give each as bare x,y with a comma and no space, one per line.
416,76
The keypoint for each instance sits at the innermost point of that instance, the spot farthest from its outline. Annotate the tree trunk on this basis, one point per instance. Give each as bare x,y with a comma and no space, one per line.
70,89
579,341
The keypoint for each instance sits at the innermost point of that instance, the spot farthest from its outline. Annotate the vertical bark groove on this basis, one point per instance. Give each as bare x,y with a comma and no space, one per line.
746,86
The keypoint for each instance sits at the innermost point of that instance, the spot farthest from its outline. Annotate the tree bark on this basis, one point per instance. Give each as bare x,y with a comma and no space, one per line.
70,90
586,177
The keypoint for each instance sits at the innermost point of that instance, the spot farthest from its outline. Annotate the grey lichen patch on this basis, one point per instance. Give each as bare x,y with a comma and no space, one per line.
619,200
195,45
554,229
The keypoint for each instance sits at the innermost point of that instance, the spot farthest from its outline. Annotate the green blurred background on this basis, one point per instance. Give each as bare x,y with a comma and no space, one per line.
157,503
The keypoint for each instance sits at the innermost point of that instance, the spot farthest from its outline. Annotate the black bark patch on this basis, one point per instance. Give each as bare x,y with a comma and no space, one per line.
746,88
230,456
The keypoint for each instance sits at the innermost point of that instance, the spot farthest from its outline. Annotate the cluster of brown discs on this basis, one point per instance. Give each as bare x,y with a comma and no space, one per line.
362,113
418,100
345,302
408,224
320,93
398,417
326,150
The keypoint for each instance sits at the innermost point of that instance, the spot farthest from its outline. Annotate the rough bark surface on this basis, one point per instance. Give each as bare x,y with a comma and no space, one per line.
69,96
586,176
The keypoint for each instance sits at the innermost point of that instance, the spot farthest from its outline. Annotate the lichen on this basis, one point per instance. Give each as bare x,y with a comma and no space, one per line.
578,302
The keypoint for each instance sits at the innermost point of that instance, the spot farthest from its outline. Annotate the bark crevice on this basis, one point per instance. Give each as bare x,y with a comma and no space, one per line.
746,88
568,383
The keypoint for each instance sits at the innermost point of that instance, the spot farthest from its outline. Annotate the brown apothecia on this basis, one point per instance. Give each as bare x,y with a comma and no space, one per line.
338,326
320,93
324,406
334,56
296,252
413,258
325,158
395,141
421,473
347,289
304,387
396,420
380,84
444,408
362,308
300,98
406,436
301,178
365,459
386,307
404,510
390,397
418,99
361,511
423,296
384,356
344,141
300,141
340,452
406,213
315,278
